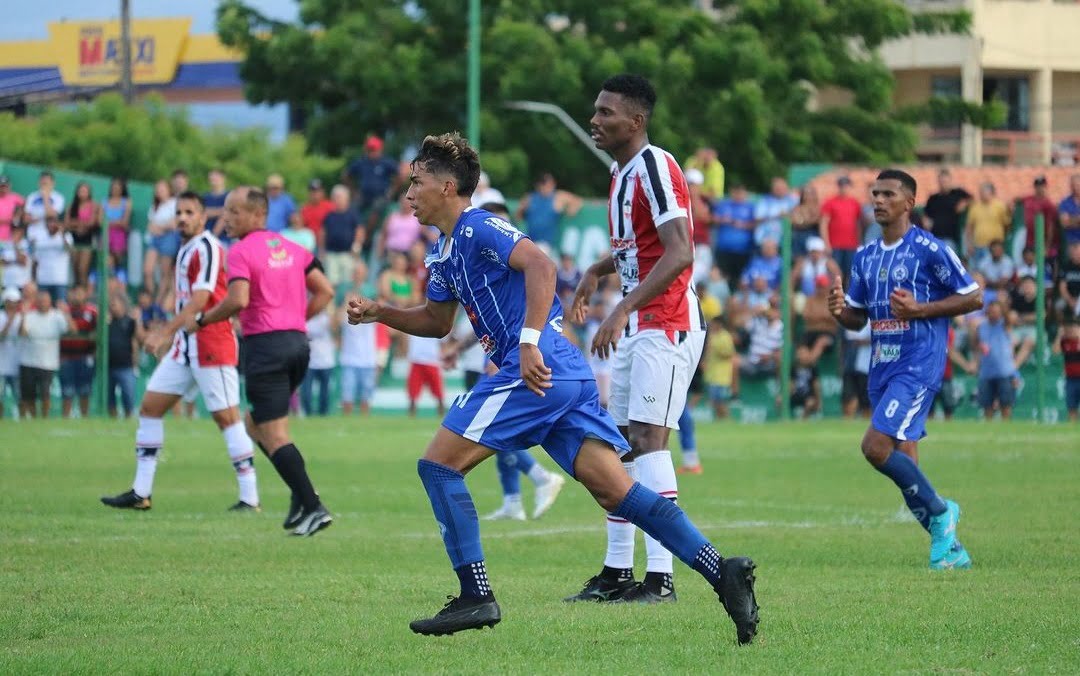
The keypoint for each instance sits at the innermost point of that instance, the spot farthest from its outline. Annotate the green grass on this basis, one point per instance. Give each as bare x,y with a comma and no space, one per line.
842,579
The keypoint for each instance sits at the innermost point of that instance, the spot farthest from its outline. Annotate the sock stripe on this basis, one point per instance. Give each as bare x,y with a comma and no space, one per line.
615,519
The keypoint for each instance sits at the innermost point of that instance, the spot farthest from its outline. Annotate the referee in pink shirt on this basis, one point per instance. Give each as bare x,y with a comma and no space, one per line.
270,280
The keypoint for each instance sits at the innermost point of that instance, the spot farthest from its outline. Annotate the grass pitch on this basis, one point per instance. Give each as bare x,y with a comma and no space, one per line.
842,577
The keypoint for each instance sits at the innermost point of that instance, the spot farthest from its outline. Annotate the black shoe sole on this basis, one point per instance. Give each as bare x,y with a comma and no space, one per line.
322,526
743,568
483,625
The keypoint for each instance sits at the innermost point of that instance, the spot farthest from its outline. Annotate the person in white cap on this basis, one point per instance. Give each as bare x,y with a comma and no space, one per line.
485,193
702,212
10,320
815,264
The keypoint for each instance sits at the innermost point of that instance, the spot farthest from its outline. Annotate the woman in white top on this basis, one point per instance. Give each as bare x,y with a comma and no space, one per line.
320,363
163,240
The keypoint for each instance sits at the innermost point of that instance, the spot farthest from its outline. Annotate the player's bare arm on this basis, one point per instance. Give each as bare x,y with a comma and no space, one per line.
431,320
159,339
678,256
903,305
236,300
540,277
587,287
850,318
322,292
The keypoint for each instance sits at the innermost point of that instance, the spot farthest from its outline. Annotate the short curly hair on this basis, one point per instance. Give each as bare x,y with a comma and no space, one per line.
634,88
450,154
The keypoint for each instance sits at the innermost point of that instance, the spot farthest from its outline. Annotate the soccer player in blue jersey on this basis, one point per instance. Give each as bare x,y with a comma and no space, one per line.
907,284
544,393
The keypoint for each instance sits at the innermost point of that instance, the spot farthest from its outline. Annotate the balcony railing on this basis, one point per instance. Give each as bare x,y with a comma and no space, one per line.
1001,147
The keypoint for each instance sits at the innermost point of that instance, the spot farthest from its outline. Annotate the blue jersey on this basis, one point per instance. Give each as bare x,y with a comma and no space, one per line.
922,264
472,266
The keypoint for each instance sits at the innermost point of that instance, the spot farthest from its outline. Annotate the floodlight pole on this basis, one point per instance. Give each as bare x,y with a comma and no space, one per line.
474,74
125,51
568,122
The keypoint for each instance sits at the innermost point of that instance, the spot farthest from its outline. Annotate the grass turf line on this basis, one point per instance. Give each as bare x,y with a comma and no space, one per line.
842,577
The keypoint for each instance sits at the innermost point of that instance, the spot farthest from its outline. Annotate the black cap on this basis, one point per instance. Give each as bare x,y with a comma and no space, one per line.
843,180
1040,180
314,184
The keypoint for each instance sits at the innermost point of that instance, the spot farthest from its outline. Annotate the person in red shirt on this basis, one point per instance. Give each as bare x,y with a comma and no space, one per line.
1068,345
839,225
314,211
77,353
1040,203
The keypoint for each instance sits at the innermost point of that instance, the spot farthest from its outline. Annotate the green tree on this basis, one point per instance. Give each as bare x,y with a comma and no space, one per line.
147,141
739,78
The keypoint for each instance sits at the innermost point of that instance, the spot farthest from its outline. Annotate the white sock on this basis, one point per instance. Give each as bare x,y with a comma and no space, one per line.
690,458
538,475
242,453
657,472
149,438
512,502
621,533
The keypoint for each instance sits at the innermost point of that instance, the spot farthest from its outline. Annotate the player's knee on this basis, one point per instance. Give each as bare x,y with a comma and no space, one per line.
875,453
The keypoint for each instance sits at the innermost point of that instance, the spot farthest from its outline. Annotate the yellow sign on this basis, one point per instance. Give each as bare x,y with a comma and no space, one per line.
88,53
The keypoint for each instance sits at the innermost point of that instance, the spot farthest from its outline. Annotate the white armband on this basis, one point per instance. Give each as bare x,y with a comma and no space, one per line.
530,336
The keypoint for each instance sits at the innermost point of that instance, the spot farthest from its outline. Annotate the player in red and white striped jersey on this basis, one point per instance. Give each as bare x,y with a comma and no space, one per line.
656,333
205,361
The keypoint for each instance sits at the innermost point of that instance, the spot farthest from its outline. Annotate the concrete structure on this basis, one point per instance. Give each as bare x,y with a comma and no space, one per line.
1025,53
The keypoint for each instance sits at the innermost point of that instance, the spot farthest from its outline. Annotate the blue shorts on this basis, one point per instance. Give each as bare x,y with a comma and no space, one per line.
719,394
357,383
76,377
1072,394
167,244
1000,390
901,407
504,415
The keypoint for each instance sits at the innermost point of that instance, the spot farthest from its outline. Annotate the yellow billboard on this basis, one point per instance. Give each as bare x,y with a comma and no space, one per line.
88,53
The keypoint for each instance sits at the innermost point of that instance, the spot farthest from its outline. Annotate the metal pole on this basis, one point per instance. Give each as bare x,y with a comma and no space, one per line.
101,364
567,121
125,52
1040,318
474,74
784,376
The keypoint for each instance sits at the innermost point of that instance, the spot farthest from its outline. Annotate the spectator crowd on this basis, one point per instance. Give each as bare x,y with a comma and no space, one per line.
364,231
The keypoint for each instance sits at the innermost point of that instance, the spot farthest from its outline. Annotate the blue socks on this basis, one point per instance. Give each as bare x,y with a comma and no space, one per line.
460,528
918,493
687,438
665,522
510,463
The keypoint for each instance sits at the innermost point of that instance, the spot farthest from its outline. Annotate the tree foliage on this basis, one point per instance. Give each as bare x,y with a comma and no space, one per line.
149,140
740,78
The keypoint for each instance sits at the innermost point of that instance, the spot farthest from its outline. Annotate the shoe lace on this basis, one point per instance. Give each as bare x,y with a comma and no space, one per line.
451,604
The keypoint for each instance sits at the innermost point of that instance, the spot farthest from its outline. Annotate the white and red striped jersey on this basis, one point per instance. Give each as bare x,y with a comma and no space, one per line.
645,194
200,266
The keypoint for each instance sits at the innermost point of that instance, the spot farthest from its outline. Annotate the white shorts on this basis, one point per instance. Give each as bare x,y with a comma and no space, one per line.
219,385
650,376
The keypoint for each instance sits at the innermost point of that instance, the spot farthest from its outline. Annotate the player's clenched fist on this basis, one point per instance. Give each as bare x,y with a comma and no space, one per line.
836,297
362,310
579,311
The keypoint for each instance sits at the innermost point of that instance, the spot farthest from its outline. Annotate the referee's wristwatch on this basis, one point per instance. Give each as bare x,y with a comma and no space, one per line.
199,320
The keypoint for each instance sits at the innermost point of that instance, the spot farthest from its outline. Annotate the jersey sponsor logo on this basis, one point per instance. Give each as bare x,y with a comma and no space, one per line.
942,272
884,354
437,281
487,343
557,323
889,326
622,244
899,274
490,254
505,228
280,259
883,274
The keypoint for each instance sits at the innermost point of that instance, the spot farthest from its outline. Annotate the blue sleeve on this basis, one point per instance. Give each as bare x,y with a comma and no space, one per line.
948,271
438,289
856,293
495,239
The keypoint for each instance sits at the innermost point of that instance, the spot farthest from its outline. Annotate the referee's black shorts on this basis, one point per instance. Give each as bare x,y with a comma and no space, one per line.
274,364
